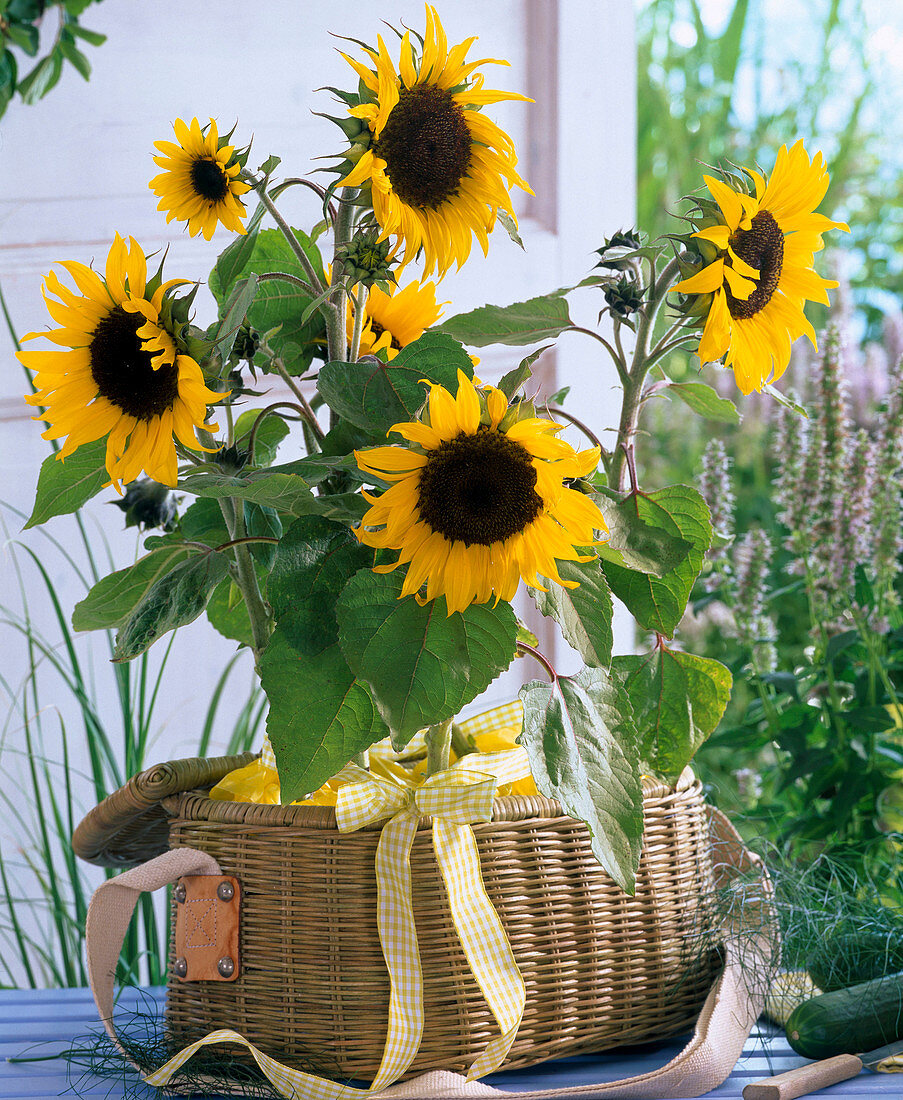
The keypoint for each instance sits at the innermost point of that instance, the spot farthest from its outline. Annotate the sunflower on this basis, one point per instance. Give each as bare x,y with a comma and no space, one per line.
439,170
762,270
396,318
122,374
478,499
200,183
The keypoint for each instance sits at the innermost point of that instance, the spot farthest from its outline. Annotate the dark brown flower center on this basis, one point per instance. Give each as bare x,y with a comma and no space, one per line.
122,370
426,145
209,180
762,247
378,330
479,489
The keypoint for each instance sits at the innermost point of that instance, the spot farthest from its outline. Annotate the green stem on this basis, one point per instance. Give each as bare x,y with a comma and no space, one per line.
336,340
359,302
246,576
587,431
310,417
292,241
262,415
620,365
461,746
285,277
438,747
640,366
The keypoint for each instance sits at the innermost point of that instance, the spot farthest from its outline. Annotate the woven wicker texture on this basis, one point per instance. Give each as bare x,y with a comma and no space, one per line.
131,826
601,969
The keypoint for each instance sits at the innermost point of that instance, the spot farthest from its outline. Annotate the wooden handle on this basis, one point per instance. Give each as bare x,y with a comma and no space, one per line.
805,1079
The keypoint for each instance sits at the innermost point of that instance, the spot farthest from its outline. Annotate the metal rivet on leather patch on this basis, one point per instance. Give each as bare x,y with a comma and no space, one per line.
180,893
180,967
226,966
225,891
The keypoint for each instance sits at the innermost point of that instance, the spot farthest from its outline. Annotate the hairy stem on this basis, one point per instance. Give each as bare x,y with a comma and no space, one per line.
335,323
359,303
438,747
246,576
640,366
310,417
292,241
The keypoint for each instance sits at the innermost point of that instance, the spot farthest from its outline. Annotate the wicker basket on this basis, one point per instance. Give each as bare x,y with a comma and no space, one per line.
601,969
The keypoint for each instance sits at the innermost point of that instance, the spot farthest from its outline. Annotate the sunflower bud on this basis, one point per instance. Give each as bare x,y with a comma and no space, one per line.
247,341
623,297
615,253
147,504
232,458
365,259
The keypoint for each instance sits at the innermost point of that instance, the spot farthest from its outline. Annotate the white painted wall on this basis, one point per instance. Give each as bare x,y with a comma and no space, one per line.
74,170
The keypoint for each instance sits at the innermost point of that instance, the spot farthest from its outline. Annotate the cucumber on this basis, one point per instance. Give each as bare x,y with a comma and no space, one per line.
849,958
849,1021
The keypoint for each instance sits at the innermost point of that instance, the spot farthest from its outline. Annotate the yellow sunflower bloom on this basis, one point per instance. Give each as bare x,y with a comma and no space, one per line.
478,500
199,183
763,270
438,170
121,375
397,318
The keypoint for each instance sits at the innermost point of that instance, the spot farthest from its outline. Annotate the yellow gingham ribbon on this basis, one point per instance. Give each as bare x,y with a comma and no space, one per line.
455,799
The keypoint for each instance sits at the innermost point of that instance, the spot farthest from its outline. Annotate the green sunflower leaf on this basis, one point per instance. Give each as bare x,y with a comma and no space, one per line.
202,521
279,304
314,561
421,664
270,434
678,700
113,598
704,400
233,315
374,395
639,538
521,323
232,261
582,746
522,373
65,485
583,613
286,492
510,226
173,600
262,521
320,714
658,603
228,613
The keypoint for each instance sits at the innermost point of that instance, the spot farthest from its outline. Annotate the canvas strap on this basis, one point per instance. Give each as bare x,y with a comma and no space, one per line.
730,1010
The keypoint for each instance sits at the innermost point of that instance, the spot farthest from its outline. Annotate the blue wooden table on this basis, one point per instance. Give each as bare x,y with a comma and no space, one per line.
47,1022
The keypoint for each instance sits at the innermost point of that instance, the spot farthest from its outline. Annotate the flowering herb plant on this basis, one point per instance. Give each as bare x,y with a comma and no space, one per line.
372,575
818,750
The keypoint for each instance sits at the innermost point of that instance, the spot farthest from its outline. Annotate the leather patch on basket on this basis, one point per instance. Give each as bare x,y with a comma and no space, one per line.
206,933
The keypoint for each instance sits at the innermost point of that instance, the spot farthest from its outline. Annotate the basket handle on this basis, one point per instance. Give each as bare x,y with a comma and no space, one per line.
730,1010
111,910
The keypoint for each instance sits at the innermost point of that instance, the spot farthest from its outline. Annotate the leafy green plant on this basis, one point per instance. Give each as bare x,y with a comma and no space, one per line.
20,21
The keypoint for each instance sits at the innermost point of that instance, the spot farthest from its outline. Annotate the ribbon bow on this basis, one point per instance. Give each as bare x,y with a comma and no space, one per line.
455,799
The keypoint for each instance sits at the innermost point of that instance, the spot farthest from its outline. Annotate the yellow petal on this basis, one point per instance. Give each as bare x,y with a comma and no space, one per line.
703,282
